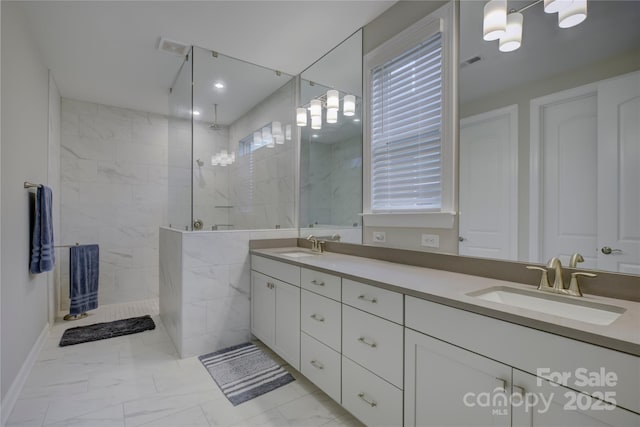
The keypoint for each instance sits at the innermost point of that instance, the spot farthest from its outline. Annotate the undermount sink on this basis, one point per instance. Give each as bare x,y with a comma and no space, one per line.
557,305
298,254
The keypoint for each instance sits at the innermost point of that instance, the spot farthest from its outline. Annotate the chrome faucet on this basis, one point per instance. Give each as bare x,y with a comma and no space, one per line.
316,245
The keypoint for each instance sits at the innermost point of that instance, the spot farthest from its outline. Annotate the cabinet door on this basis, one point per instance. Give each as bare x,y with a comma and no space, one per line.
287,323
449,386
263,307
538,402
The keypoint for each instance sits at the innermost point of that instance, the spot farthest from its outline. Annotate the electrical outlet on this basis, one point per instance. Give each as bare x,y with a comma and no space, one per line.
379,237
431,240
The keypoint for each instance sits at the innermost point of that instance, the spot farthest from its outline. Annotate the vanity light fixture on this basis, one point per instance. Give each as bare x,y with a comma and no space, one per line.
301,117
332,116
512,38
219,85
287,130
267,137
497,25
495,19
333,100
349,105
223,158
276,128
573,14
316,123
315,109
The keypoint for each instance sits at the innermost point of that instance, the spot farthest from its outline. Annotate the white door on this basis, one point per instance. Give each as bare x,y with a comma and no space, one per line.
448,386
548,405
488,184
619,174
287,323
262,307
564,166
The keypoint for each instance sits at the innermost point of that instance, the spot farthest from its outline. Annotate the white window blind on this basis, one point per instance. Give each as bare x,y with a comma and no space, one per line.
406,130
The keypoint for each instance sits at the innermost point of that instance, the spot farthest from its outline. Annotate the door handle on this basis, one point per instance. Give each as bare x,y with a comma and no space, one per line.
608,251
317,317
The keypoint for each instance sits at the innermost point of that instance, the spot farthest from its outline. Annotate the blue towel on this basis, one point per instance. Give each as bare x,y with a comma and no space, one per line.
84,271
42,253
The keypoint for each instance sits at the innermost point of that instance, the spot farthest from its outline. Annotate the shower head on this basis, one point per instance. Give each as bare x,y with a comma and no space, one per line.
215,125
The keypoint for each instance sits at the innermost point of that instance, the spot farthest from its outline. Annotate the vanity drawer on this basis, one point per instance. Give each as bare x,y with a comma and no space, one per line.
321,365
374,300
276,269
370,398
321,283
374,343
321,318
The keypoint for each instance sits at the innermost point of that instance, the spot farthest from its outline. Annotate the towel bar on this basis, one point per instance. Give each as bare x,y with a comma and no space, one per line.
67,246
28,184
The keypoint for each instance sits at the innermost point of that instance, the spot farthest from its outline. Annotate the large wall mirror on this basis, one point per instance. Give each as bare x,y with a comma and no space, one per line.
550,138
331,145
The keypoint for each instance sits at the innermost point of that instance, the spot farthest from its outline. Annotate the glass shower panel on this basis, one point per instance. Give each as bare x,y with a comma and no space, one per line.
331,154
180,134
244,145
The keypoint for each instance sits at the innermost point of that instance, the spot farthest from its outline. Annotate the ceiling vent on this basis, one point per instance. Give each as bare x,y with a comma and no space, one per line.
173,47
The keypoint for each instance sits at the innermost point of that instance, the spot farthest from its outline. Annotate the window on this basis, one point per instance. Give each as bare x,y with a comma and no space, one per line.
409,133
406,130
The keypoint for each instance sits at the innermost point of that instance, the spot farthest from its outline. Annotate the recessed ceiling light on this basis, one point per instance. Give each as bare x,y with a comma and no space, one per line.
315,135
219,85
196,113
356,120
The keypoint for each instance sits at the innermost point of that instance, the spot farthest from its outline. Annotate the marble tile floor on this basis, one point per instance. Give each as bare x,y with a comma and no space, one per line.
139,380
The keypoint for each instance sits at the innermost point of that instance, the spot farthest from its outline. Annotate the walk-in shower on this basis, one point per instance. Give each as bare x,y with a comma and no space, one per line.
232,139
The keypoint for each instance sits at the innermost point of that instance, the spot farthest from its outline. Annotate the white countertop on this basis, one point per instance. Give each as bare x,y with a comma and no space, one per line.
452,288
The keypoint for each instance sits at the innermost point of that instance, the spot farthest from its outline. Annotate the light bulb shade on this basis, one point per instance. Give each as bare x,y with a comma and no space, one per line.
316,108
301,116
333,100
332,116
495,19
257,138
553,6
266,136
279,139
349,105
276,128
287,132
316,122
214,160
572,15
512,38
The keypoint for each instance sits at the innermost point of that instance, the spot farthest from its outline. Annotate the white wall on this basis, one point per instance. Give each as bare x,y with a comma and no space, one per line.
25,100
114,193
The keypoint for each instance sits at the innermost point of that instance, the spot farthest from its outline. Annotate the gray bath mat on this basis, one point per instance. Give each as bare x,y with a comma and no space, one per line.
101,331
244,371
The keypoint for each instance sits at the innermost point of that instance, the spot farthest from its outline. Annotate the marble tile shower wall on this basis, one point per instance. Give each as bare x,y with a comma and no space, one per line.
205,285
114,193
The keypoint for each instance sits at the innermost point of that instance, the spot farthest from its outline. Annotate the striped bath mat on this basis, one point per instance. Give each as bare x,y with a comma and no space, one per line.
244,371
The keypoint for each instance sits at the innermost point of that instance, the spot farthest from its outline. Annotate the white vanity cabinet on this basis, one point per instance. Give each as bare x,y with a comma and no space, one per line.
459,362
275,307
445,385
